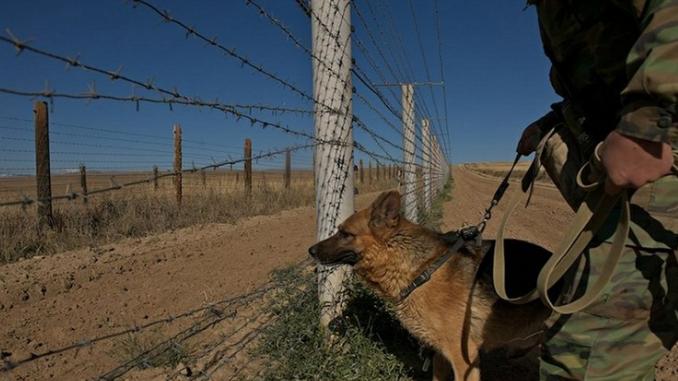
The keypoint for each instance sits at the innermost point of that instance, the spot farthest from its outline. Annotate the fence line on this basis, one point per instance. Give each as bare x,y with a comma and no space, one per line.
201,144
44,196
394,34
418,161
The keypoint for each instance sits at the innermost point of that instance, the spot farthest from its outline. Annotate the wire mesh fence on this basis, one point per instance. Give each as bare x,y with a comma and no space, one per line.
81,181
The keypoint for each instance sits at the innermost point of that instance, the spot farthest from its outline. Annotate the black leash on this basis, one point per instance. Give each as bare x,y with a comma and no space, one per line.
498,194
464,235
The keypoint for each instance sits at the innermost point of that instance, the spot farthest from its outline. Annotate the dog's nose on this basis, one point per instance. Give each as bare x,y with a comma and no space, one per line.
313,250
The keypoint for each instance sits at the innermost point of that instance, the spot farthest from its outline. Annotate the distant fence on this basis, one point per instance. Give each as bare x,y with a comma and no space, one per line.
45,197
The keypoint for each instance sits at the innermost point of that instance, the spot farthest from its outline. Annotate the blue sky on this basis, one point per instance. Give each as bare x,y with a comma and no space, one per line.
496,77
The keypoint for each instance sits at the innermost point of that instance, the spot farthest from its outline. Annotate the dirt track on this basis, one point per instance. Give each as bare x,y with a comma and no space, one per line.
54,302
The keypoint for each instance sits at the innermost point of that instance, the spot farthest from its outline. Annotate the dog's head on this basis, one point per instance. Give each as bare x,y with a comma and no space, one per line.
363,229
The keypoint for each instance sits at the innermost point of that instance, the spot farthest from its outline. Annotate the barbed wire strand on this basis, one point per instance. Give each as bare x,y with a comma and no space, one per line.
175,95
117,132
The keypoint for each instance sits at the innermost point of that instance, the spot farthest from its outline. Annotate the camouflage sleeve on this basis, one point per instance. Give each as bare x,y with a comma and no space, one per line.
651,96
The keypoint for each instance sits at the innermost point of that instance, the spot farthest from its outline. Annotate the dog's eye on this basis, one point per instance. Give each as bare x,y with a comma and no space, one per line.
345,235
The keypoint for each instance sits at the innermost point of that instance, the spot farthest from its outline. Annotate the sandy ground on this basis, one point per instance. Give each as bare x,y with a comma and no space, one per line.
58,312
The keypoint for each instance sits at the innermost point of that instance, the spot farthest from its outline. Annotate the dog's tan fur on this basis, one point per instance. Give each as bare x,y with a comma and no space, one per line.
388,252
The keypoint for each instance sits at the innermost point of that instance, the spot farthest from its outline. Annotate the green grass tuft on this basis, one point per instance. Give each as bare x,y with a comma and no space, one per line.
370,344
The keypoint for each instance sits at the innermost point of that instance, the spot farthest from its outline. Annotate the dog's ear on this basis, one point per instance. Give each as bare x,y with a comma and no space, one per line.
385,210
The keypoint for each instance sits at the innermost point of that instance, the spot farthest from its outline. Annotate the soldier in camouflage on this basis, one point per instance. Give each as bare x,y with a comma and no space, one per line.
615,63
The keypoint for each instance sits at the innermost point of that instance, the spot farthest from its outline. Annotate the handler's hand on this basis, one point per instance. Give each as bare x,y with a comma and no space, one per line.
631,162
529,140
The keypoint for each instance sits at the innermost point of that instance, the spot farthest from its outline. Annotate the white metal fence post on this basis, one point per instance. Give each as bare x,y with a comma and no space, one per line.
409,175
426,165
331,34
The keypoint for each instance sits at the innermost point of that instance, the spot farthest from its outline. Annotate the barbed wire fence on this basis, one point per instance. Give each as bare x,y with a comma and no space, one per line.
340,136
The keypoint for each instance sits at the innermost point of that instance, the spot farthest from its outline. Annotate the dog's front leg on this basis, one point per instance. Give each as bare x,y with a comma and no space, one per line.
465,369
442,369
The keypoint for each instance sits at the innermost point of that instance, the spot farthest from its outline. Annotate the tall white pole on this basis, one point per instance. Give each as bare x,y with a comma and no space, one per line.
443,166
331,34
441,175
438,165
426,165
409,175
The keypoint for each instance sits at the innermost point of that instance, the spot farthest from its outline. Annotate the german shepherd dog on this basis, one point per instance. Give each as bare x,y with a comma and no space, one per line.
456,312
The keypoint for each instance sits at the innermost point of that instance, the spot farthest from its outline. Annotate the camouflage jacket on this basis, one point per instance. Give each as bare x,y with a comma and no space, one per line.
616,62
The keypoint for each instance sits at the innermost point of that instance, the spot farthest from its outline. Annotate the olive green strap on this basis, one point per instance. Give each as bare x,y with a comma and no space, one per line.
499,263
590,217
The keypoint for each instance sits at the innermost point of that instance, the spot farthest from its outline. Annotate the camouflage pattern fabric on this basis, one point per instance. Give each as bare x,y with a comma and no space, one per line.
635,322
615,58
616,63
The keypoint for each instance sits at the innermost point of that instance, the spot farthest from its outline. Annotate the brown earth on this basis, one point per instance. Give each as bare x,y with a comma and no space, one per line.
68,300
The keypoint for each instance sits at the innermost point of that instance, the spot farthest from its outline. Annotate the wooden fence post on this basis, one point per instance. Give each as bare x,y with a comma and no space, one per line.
83,183
378,175
248,167
42,164
177,163
362,172
369,171
203,178
288,169
155,178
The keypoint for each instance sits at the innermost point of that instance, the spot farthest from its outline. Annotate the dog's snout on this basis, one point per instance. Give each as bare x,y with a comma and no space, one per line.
313,251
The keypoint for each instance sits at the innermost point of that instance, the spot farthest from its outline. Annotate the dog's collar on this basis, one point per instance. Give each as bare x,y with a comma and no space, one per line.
460,238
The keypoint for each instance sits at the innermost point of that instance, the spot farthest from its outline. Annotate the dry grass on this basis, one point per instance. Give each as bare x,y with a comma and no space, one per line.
141,210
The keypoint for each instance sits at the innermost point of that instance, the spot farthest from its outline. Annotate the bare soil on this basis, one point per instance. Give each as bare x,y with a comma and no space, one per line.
56,312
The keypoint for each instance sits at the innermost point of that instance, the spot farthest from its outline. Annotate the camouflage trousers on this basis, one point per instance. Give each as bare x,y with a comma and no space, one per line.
635,321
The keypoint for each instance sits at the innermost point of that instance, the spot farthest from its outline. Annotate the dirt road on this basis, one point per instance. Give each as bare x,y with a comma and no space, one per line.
53,309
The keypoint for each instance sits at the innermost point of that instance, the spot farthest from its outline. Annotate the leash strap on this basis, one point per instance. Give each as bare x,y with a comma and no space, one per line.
592,214
463,236
499,262
590,217
498,195
425,276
